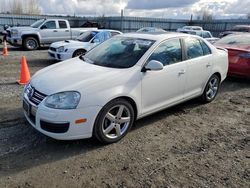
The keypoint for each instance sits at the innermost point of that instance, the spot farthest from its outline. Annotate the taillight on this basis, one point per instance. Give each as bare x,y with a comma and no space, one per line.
245,55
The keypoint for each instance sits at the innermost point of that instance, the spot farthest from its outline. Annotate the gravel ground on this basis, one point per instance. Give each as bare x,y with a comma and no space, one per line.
189,145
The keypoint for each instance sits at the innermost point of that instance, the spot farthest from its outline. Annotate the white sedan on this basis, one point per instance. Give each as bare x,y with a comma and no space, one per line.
125,78
67,49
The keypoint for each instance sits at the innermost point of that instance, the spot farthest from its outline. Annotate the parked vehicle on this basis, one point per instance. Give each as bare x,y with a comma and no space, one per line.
190,28
238,47
204,34
236,30
71,48
3,33
125,78
43,32
150,29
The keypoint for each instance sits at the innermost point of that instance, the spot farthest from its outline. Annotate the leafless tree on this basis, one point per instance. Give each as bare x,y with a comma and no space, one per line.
20,6
205,15
248,15
16,7
32,7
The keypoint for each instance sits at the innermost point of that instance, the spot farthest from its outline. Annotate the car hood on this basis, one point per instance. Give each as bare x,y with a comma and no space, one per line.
75,74
22,28
68,43
234,47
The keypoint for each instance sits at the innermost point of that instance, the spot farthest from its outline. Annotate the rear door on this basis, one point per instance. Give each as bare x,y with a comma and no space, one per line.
199,65
63,30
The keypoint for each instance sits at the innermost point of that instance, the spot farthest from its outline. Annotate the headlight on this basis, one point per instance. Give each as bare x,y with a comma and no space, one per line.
27,89
14,32
60,49
63,100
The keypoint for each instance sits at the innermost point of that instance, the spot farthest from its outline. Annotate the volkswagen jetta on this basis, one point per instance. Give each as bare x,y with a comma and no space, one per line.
125,78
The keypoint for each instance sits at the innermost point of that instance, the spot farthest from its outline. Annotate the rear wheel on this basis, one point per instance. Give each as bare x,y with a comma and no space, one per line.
79,52
211,89
114,121
30,43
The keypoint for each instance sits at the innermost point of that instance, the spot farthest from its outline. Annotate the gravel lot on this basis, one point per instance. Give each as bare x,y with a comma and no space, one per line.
190,145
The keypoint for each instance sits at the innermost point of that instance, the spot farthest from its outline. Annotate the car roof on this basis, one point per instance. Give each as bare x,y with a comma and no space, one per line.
246,26
155,35
111,30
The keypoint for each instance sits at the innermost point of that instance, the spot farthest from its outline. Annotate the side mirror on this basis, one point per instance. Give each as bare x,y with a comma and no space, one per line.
153,65
96,41
43,27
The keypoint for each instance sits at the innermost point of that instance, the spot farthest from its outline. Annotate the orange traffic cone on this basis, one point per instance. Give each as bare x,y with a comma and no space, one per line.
5,49
25,73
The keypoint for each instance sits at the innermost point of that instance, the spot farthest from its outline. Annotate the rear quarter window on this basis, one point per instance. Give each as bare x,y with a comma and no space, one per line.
205,48
62,24
193,48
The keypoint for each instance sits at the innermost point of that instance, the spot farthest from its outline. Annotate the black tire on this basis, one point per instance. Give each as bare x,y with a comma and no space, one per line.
102,120
78,53
30,43
205,97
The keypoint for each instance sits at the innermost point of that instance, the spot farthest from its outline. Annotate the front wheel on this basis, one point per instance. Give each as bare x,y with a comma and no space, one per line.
114,121
79,52
211,89
30,43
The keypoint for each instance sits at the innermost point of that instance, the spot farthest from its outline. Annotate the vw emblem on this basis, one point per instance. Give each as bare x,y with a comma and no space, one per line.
30,93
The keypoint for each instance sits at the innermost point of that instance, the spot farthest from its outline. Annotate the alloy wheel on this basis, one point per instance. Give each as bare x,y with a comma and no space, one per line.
116,122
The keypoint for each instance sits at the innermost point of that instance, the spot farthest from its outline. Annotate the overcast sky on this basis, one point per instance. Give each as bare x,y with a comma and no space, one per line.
147,8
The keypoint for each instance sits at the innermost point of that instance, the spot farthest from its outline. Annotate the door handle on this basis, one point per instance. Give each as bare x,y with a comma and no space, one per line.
66,30
208,65
55,31
182,72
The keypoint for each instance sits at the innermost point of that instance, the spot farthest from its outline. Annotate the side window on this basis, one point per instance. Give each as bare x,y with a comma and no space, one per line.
194,48
62,24
167,53
206,35
49,25
205,48
114,33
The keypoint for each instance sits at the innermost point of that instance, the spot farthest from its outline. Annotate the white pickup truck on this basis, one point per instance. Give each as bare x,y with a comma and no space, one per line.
43,32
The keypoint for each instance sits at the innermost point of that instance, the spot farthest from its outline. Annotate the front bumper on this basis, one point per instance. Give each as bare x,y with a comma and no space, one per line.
59,56
60,124
14,41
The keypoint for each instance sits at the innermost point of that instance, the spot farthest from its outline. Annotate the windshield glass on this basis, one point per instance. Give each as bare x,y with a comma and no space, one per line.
37,23
235,40
87,36
118,52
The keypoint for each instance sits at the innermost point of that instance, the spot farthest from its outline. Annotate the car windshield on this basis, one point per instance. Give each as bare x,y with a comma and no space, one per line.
87,36
118,52
235,40
37,23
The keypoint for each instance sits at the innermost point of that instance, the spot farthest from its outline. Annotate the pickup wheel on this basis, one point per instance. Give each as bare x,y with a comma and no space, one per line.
30,43
79,52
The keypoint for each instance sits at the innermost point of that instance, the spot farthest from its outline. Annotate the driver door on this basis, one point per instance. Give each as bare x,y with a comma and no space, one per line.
49,32
165,87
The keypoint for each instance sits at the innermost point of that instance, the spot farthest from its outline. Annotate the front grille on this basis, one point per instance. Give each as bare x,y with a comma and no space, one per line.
52,49
37,97
52,55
